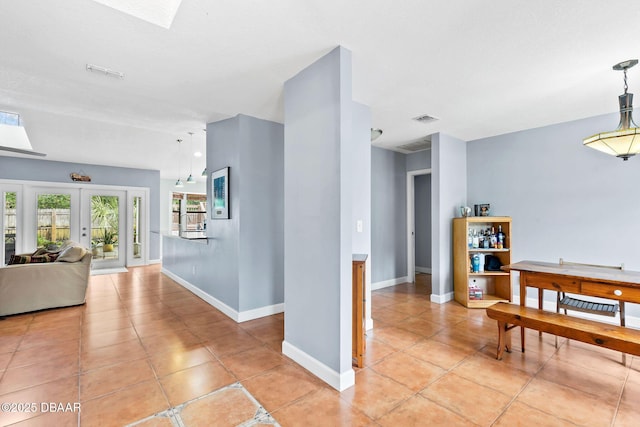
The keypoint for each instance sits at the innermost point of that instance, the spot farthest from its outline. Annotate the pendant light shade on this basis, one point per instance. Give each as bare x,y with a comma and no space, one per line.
179,181
191,180
204,172
623,142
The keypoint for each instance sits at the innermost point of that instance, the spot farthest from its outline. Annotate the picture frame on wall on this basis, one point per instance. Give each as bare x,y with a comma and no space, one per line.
220,194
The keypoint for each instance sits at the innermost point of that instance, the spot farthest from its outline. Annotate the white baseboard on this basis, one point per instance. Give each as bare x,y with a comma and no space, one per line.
237,316
336,380
155,261
368,324
441,299
426,270
388,283
630,321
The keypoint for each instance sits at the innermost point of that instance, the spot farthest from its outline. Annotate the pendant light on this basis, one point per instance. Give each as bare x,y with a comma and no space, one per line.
623,142
204,172
191,180
179,181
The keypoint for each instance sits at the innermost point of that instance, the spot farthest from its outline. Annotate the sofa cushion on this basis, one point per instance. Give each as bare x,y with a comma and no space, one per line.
32,259
71,254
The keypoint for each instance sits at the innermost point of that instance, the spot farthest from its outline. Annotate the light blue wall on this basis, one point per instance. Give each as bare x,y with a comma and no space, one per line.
241,266
388,215
422,191
419,160
566,200
318,191
448,193
49,171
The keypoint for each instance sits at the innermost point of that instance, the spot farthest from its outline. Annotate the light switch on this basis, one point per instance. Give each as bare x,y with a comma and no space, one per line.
359,226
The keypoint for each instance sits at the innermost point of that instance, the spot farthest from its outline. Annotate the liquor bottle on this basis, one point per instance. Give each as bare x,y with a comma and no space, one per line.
501,238
476,240
470,239
493,239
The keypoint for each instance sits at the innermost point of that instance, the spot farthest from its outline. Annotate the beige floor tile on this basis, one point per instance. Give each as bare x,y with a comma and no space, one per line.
63,390
50,419
195,382
168,362
45,353
228,407
419,411
376,351
114,377
234,341
375,394
493,373
439,354
397,338
105,339
321,408
111,355
50,370
130,404
567,403
628,415
47,337
252,362
520,415
280,386
413,373
169,340
458,394
605,387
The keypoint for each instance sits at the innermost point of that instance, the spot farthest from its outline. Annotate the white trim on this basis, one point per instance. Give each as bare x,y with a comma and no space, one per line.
257,313
369,324
339,381
238,317
155,261
411,220
387,283
426,270
441,299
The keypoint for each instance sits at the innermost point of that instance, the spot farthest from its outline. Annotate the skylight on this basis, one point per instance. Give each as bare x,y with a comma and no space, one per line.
158,12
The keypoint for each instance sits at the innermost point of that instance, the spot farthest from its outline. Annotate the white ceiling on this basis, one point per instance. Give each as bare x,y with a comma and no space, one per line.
481,67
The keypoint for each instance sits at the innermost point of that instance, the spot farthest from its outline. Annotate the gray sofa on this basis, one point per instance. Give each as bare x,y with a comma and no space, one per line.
30,287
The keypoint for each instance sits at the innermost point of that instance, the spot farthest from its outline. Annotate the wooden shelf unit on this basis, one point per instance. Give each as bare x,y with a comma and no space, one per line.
496,285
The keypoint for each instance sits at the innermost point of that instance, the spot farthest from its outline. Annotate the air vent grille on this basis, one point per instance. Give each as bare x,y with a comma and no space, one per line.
424,144
425,118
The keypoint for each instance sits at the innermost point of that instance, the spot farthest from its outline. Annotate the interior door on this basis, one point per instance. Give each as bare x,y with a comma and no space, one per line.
103,227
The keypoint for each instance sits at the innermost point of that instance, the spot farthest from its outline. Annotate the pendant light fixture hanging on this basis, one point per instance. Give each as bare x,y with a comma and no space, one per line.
179,181
623,142
191,180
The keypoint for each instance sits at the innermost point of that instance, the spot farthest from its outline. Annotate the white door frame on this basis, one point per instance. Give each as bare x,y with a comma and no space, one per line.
30,205
85,224
19,239
411,222
144,227
26,204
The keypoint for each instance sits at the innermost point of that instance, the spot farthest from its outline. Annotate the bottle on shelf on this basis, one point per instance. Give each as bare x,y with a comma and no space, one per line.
493,239
476,240
501,238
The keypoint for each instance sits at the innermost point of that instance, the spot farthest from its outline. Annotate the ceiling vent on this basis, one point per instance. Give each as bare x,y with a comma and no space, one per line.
425,118
423,144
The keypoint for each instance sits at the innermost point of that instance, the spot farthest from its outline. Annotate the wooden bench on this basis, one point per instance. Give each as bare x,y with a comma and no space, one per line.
588,331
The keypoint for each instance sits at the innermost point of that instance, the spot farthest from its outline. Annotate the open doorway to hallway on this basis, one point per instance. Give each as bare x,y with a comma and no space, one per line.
419,247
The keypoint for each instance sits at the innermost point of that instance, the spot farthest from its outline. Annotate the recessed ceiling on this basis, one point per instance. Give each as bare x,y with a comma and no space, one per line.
158,12
481,68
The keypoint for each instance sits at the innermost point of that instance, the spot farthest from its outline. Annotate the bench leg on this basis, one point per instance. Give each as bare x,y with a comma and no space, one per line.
504,339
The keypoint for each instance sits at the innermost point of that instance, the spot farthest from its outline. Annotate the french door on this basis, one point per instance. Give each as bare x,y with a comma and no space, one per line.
112,222
103,227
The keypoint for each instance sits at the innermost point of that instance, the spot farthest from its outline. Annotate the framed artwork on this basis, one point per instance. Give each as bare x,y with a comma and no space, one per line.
220,194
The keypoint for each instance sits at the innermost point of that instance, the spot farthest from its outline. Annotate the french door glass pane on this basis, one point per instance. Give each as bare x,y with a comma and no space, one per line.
105,221
9,222
137,244
54,211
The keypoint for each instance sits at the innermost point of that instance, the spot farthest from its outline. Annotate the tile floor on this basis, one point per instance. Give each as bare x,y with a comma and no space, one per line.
142,345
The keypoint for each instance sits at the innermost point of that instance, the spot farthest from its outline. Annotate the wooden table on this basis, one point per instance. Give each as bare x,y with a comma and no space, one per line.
620,285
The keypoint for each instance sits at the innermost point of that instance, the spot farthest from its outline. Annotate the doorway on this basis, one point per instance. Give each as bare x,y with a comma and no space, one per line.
418,221
111,221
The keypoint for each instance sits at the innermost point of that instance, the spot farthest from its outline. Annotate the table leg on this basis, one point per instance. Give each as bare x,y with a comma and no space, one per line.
523,301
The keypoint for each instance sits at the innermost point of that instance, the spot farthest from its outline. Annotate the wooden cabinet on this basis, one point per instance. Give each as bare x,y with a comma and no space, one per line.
358,319
495,285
